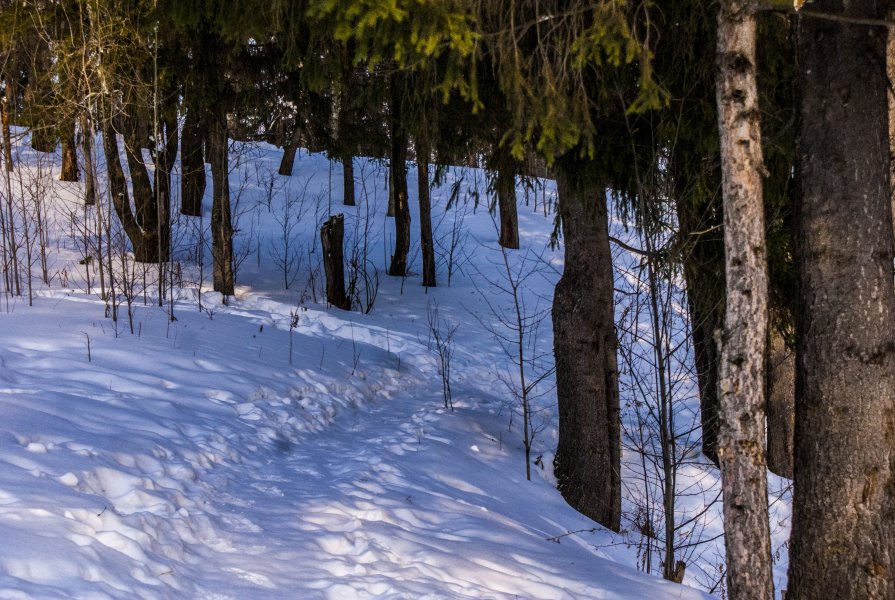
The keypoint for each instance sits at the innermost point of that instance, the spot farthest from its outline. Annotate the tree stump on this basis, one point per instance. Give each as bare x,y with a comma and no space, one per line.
332,234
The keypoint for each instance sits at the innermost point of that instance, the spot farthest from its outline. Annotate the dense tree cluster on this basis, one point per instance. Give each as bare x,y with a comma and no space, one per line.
778,177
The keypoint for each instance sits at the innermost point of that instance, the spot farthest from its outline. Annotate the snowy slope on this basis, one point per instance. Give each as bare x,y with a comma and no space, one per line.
201,459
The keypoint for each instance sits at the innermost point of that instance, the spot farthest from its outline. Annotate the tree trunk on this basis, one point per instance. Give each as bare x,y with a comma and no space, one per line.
781,397
192,166
843,542
287,163
741,432
587,463
7,105
119,193
348,180
703,261
221,226
505,189
144,198
164,164
427,244
332,234
87,143
69,170
890,97
398,169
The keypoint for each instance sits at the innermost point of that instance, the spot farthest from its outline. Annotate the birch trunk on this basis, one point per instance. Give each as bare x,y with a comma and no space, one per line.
741,434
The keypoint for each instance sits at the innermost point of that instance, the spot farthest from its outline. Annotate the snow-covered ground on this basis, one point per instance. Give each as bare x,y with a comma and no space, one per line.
277,448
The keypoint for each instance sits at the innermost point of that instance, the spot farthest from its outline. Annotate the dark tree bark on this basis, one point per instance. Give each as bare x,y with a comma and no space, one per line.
332,234
144,198
741,424
223,272
87,143
348,181
587,463
398,169
69,171
8,101
700,229
192,166
843,540
287,163
145,247
780,397
504,166
427,244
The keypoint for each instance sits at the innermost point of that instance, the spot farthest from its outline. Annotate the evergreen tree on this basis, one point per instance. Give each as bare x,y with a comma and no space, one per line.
842,540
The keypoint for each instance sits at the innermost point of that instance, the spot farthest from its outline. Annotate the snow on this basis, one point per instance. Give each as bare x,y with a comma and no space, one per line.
200,459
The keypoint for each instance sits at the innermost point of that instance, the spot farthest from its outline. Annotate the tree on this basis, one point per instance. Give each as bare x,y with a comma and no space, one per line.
842,544
741,435
588,455
398,179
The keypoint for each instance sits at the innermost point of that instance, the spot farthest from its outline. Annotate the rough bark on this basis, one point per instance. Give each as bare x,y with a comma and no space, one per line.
781,398
87,142
223,273
332,234
890,97
587,463
69,171
505,189
741,432
349,198
398,170
843,521
192,166
427,244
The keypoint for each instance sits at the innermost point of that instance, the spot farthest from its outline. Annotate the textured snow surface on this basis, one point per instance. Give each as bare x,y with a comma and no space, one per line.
192,460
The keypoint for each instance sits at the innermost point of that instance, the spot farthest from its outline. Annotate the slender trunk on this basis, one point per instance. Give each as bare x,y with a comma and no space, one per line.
192,166
843,539
398,169
348,180
7,104
164,164
332,234
223,274
587,463
426,240
87,141
69,170
781,382
741,432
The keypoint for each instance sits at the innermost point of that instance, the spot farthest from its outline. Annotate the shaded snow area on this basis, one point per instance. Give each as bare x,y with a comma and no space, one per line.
277,448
